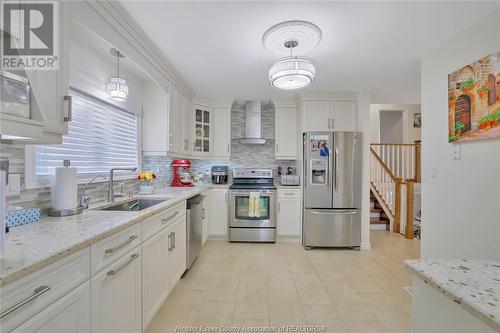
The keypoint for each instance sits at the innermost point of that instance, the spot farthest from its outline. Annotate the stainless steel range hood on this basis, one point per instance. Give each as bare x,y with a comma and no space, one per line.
253,124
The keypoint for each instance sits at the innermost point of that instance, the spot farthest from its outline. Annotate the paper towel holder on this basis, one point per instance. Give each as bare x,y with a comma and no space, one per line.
65,212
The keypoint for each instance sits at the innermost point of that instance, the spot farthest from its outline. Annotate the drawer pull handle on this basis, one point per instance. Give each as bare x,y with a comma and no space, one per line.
69,117
38,292
170,248
288,193
116,248
165,220
132,258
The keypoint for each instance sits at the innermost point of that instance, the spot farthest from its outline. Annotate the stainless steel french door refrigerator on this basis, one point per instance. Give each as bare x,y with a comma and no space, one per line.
332,189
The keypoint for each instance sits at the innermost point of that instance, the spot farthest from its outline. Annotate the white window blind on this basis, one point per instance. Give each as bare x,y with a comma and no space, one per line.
100,137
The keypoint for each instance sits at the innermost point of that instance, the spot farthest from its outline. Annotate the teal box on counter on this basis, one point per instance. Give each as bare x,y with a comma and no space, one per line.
22,216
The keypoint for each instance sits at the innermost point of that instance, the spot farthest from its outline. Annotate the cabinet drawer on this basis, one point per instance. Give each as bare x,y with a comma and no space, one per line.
29,295
289,193
107,251
154,224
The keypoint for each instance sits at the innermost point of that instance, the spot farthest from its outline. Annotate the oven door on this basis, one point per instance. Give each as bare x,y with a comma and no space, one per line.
239,209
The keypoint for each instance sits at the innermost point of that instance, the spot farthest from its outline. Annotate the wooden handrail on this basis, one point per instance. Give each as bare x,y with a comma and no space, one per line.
382,163
393,144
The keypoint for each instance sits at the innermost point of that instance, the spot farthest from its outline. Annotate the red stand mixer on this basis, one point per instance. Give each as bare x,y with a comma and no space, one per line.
182,173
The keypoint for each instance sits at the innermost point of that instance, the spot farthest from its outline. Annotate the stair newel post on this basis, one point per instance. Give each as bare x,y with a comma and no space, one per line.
397,204
418,150
409,210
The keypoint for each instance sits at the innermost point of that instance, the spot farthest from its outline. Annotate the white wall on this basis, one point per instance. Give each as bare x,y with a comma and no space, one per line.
391,127
410,133
461,203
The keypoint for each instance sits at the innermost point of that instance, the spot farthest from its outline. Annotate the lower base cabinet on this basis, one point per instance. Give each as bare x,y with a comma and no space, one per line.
218,211
289,212
71,313
116,296
177,252
206,217
155,273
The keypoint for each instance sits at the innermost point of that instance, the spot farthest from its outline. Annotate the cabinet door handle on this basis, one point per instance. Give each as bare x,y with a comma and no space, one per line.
277,148
122,266
69,116
165,220
116,248
279,206
170,242
203,213
37,292
173,240
225,197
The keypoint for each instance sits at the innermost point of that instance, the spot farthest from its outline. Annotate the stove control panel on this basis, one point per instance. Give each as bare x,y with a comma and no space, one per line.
252,173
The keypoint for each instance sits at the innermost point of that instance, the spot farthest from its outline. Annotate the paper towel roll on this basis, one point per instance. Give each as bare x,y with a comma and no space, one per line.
64,190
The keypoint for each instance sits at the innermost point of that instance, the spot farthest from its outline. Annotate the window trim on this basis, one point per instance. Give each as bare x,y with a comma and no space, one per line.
34,181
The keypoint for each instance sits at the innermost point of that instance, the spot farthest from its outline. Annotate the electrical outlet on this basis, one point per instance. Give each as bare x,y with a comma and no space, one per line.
457,152
14,185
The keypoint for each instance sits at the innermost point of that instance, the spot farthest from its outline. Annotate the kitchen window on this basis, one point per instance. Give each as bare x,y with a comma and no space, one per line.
100,136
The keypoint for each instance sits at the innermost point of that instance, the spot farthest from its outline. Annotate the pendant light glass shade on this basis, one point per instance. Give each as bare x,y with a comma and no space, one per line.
292,73
117,86
117,89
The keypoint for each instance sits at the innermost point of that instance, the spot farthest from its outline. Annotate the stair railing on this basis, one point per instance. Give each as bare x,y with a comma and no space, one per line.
403,159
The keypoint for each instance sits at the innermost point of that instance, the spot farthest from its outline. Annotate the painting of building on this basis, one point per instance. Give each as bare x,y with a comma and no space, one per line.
474,101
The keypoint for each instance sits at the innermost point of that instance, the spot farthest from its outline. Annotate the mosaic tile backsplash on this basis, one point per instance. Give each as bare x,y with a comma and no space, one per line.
242,156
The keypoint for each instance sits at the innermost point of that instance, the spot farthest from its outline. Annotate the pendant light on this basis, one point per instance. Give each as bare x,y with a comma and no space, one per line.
117,86
292,72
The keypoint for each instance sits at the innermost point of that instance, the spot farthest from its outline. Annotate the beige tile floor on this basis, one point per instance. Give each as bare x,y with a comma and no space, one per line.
236,284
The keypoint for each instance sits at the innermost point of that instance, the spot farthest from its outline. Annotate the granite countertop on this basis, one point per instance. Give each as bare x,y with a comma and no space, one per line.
30,247
473,284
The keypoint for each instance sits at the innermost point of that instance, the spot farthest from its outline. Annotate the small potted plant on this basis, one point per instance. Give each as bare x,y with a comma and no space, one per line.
483,91
452,138
459,126
147,182
485,122
496,117
467,85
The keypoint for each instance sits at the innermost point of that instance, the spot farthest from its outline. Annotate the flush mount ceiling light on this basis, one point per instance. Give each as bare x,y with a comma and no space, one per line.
117,86
305,33
292,72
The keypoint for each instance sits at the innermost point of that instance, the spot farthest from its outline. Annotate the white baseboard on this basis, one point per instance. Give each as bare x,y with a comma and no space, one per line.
365,246
377,226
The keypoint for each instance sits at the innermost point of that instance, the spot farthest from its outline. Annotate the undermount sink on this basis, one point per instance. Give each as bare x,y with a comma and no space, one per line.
134,205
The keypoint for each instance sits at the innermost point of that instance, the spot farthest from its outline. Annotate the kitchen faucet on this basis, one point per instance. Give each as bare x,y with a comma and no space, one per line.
84,199
111,192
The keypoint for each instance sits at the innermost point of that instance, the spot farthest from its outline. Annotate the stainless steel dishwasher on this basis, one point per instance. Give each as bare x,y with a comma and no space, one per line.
195,216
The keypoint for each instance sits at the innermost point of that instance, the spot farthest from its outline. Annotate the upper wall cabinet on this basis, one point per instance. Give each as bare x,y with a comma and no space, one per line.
222,133
50,109
155,119
179,122
202,130
285,133
328,115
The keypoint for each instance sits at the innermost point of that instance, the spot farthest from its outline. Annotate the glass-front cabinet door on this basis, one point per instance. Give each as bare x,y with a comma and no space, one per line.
202,130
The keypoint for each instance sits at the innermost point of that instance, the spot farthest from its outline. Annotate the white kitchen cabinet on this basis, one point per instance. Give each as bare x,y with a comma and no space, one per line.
289,212
202,130
155,119
116,295
222,133
344,115
186,125
176,251
328,115
206,216
218,211
155,274
49,105
285,133
71,313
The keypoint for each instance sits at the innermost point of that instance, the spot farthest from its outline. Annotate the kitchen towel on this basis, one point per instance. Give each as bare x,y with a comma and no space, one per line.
64,189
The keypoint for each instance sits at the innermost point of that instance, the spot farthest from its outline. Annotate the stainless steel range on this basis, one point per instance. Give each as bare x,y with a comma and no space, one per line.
252,206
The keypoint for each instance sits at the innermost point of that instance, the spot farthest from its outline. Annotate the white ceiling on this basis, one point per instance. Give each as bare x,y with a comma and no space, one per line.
374,46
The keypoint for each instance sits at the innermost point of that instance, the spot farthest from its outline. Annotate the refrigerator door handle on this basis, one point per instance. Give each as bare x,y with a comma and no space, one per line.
335,212
337,176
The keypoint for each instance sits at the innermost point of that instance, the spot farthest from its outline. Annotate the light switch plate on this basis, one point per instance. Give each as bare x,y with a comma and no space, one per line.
14,185
457,152
434,172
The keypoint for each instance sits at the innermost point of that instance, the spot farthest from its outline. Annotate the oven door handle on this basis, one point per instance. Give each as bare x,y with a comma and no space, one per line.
270,192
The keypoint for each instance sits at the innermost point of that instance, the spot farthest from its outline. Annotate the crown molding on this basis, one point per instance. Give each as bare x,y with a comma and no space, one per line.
116,15
325,96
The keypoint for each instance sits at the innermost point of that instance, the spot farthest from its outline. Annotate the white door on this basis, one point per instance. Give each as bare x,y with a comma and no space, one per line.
206,216
154,275
285,133
71,313
222,133
315,116
289,217
218,211
344,115
177,251
116,296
